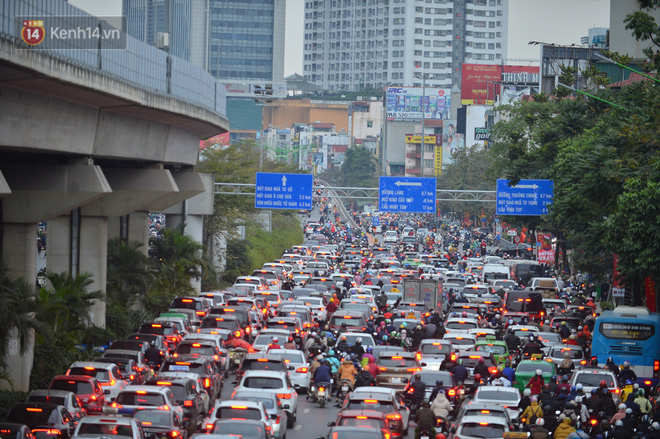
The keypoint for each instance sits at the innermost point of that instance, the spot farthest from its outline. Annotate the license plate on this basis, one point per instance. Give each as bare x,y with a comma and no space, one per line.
396,380
321,392
344,388
178,368
424,437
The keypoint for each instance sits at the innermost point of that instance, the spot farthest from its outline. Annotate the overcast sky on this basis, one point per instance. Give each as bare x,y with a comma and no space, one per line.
551,21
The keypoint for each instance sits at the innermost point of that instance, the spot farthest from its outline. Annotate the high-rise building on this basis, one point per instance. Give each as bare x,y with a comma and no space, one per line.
357,44
181,24
246,41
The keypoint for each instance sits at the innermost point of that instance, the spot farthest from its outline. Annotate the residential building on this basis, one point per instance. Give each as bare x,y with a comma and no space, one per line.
622,39
360,44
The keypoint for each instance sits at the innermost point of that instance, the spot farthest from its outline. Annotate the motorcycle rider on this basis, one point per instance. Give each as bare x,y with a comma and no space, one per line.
460,372
482,369
425,420
233,342
347,372
322,376
441,406
566,367
290,344
418,390
538,431
365,378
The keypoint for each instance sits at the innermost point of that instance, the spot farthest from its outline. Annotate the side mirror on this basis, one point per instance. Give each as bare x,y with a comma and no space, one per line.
452,430
106,391
234,383
405,380
332,424
286,406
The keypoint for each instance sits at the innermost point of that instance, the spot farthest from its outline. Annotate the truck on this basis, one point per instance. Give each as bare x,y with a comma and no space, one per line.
428,291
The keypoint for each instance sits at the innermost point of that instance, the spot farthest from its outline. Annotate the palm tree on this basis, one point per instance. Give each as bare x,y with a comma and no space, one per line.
129,273
18,306
65,306
172,246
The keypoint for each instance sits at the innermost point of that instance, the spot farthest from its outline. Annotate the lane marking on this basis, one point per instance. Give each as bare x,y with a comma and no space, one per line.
306,411
297,427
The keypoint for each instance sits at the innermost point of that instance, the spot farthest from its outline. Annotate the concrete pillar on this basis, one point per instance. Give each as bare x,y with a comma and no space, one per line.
137,228
19,255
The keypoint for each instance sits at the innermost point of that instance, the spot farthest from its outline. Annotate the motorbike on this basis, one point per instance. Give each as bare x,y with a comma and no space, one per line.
345,386
323,393
424,434
236,356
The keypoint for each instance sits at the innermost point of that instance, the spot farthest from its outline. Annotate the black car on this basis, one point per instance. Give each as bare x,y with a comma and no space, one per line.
162,423
47,421
9,430
187,396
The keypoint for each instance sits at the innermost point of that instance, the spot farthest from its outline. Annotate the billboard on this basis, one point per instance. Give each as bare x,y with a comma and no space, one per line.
452,141
480,83
475,122
405,103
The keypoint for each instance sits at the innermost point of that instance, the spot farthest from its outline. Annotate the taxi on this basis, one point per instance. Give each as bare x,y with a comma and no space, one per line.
527,369
498,348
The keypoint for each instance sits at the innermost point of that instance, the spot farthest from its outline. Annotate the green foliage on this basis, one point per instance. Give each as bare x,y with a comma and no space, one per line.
64,307
265,246
359,168
644,28
50,361
129,273
237,260
122,321
7,400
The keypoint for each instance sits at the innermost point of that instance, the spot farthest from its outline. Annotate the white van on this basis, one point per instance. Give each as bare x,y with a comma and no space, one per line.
495,272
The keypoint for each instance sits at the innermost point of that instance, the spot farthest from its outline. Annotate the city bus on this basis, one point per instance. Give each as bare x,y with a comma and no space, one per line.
629,334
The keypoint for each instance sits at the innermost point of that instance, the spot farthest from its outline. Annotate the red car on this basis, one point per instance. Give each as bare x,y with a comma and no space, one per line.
87,389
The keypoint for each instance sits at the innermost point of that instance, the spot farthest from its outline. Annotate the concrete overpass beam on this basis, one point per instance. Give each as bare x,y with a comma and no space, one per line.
4,186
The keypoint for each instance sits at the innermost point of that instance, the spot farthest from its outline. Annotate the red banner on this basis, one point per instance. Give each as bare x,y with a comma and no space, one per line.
480,83
649,289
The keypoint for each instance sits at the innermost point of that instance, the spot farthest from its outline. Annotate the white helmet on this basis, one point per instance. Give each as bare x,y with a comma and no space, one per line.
539,372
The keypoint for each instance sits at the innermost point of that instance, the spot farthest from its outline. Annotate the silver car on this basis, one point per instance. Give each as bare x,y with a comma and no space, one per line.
272,404
297,366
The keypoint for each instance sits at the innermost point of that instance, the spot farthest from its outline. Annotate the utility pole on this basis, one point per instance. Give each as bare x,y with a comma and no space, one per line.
423,116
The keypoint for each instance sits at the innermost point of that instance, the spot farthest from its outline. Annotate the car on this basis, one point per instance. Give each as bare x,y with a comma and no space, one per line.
227,322
196,304
202,366
292,325
235,428
431,377
526,369
162,423
187,394
352,337
199,386
217,339
576,354
461,342
167,329
524,331
86,388
356,431
484,410
93,427
472,357
297,366
237,409
395,368
364,419
590,379
129,369
316,304
353,320
47,420
10,430
391,237
137,356
506,397
554,306
387,401
107,374
140,397
460,325
498,348
276,382
261,361
480,427
199,348
571,321
130,345
432,352
273,279
265,337
274,409
68,400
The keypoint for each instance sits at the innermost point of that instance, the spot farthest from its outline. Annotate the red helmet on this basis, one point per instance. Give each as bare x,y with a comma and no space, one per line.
440,436
477,377
290,339
603,383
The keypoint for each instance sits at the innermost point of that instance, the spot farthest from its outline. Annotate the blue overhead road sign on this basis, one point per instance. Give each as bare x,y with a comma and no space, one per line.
283,191
406,194
528,197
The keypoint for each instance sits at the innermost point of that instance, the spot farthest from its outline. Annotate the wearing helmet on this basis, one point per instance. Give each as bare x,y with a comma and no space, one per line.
641,392
609,360
618,423
646,419
331,353
628,382
580,334
629,411
563,323
635,386
275,339
594,391
370,349
388,321
578,386
655,426
594,361
230,336
572,337
572,388
440,436
530,338
358,340
290,339
497,316
314,334
385,337
343,337
477,377
324,334
404,325
622,406
464,314
539,372
602,383
393,334
578,399
626,364
540,422
567,355
438,383
481,360
527,392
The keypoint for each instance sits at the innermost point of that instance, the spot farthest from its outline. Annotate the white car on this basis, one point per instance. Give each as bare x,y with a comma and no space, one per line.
480,427
271,381
391,237
461,325
461,342
316,305
236,409
297,366
507,397
432,352
265,337
137,397
107,374
94,427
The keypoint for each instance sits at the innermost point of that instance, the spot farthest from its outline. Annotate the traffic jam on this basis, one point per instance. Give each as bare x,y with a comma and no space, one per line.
418,328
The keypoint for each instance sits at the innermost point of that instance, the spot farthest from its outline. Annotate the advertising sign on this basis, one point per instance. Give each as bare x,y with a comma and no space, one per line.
452,141
481,134
405,103
418,139
438,159
480,84
475,118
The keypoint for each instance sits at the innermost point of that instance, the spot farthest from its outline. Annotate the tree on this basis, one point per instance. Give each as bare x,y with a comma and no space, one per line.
129,275
645,28
359,167
64,307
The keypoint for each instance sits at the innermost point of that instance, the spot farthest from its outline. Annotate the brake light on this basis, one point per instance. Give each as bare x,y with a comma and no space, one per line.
301,370
414,369
371,401
361,417
237,333
31,409
583,362
492,370
156,326
418,355
593,421
239,407
141,392
485,412
284,395
209,426
452,392
656,368
207,382
453,357
200,313
188,403
396,416
382,369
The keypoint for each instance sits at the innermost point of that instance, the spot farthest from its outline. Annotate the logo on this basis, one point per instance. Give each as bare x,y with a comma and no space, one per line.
33,32
395,90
